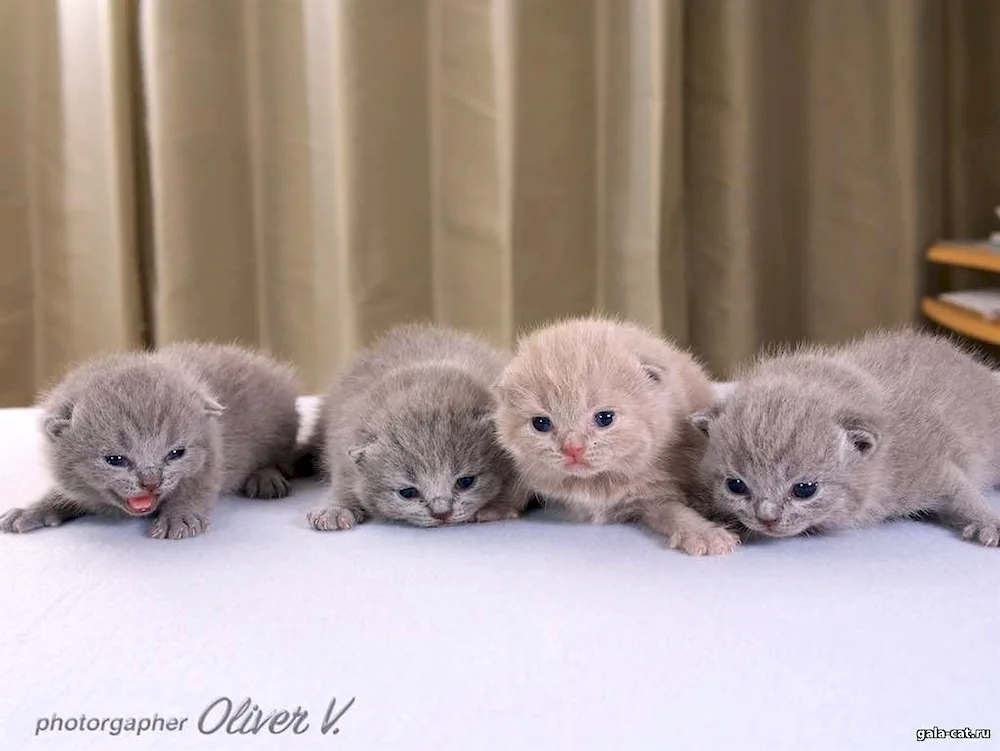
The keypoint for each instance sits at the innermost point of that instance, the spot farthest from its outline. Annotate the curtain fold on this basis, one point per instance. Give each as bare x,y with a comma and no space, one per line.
70,280
301,174
470,98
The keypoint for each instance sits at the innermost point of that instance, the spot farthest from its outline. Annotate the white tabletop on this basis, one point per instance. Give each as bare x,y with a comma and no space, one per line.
532,634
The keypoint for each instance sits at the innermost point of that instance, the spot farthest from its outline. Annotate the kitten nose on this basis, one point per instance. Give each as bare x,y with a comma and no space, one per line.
440,508
573,451
150,479
767,513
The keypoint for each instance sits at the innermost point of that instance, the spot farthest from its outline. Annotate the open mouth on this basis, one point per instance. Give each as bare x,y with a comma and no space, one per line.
141,504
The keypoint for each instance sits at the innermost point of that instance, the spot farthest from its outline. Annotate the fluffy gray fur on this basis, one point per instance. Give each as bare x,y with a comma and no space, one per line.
184,424
893,425
414,412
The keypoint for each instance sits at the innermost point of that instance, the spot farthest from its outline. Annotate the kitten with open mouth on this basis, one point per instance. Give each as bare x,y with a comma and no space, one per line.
141,504
162,434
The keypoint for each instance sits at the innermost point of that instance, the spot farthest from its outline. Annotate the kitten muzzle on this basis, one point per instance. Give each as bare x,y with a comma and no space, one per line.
576,465
141,504
573,453
773,529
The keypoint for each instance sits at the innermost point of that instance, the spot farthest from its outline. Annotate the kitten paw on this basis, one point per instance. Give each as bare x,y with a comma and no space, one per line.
21,520
985,534
178,527
496,514
708,541
267,483
335,518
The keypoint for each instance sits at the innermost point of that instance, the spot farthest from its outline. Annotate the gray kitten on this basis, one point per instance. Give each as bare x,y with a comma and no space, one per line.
406,434
163,434
894,425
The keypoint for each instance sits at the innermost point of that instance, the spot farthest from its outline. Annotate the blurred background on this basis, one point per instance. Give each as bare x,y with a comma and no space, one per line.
302,174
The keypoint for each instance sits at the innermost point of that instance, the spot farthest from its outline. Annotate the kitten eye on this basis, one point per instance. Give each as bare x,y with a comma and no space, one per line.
736,486
408,493
604,418
176,454
804,489
117,460
541,423
464,483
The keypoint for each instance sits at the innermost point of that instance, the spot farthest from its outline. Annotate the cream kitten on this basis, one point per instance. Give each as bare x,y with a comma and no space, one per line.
594,412
894,425
162,434
405,434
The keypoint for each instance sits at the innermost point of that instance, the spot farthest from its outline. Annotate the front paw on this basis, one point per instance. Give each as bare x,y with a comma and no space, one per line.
178,526
335,518
21,520
496,514
985,534
268,483
706,541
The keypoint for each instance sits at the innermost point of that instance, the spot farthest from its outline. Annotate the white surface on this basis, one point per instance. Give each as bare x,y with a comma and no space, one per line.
531,634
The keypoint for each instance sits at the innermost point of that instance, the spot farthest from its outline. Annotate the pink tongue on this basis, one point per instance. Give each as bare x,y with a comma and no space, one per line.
141,503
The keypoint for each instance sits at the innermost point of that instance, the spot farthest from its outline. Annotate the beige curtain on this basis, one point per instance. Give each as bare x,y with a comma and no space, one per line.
301,174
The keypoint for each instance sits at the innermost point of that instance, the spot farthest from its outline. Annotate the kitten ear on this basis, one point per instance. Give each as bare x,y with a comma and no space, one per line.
213,408
654,373
863,441
704,420
499,389
483,414
860,435
362,443
56,425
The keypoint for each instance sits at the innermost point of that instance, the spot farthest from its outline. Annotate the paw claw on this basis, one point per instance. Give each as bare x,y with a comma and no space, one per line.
333,518
496,514
178,527
987,535
18,521
268,483
710,541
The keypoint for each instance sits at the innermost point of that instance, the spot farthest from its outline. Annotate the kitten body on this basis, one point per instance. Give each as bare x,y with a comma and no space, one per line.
162,434
568,378
897,424
413,415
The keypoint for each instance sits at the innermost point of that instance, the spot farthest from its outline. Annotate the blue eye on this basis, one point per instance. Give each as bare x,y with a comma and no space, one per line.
541,423
736,486
804,489
408,493
116,460
176,454
604,418
464,483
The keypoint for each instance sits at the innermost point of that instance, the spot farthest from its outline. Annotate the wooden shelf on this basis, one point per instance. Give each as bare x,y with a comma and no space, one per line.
971,255
960,320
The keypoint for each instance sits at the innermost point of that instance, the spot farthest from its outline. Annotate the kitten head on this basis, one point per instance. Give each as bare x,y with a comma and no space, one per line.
124,433
577,401
788,455
430,456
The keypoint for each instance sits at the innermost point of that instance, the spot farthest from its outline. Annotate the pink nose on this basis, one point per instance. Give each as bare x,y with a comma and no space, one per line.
573,451
150,480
